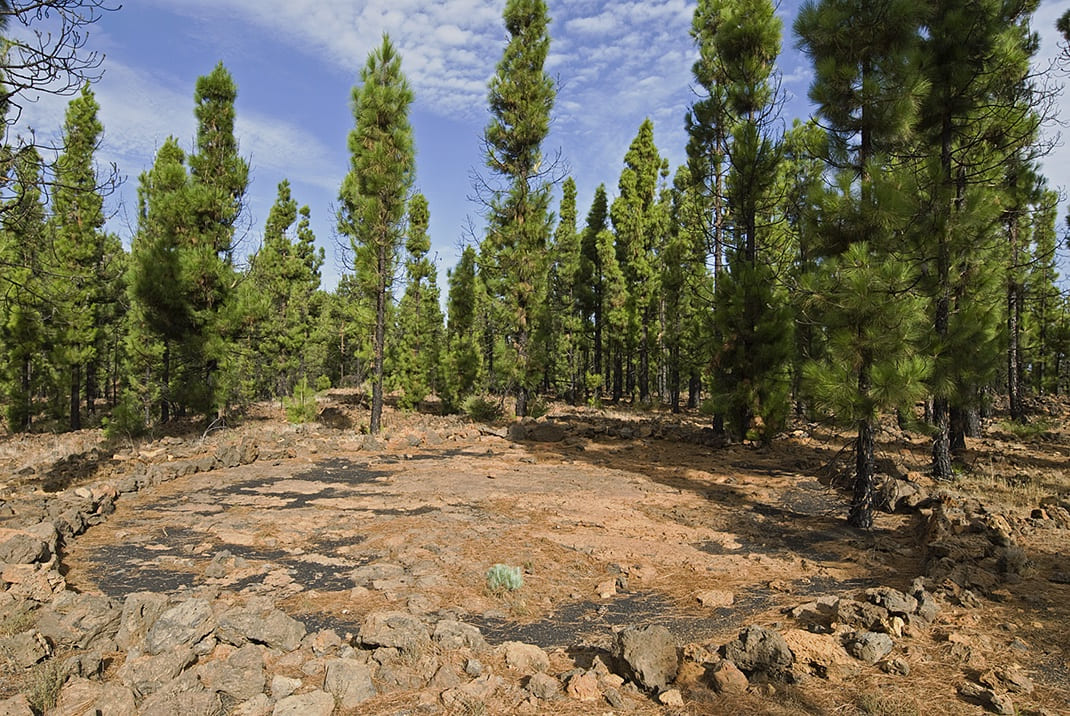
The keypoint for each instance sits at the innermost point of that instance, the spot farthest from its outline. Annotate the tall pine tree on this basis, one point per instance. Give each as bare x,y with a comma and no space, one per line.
79,244
513,257
375,191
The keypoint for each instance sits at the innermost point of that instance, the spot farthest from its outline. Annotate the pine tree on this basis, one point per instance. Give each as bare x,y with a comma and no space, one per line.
23,331
866,88
513,260
161,315
862,300
739,41
614,308
418,331
1043,295
973,53
79,245
374,193
463,364
218,180
686,288
277,299
640,222
590,294
564,322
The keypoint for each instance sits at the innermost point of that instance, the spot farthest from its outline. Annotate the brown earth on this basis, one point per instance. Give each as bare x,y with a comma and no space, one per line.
655,528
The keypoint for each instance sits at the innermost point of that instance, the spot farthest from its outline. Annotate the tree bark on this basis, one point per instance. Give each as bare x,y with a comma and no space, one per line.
861,514
76,403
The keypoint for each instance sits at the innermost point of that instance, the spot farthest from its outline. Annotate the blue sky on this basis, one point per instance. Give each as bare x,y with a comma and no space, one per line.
296,61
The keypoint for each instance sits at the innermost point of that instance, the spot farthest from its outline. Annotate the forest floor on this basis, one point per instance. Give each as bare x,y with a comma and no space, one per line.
629,518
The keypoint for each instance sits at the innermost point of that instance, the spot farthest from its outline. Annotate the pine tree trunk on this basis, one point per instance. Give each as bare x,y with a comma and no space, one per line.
1014,376
76,403
941,450
861,514
165,402
957,431
377,349
618,376
694,390
674,378
91,388
26,375
644,365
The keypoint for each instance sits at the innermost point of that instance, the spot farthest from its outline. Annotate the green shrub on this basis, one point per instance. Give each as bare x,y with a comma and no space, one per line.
537,407
323,383
301,407
481,409
503,578
127,419
46,681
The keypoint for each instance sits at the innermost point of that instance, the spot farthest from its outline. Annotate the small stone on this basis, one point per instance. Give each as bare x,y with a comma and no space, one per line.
671,697
715,598
869,646
525,658
895,667
584,687
728,679
283,686
314,703
607,589
473,668
614,698
543,686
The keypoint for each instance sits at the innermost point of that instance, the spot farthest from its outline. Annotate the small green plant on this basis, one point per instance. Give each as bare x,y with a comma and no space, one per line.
1026,431
481,409
537,408
503,578
127,419
301,407
323,383
46,681
19,619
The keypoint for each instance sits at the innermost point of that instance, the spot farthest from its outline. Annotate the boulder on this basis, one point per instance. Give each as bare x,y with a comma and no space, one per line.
283,686
545,432
79,620
450,634
349,681
140,611
314,703
26,648
649,656
240,676
584,687
17,705
543,686
758,650
19,547
728,679
893,600
869,646
821,655
525,658
147,673
184,624
106,699
271,627
395,629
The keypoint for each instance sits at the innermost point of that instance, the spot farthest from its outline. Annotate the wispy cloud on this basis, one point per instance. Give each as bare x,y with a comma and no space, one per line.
448,48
